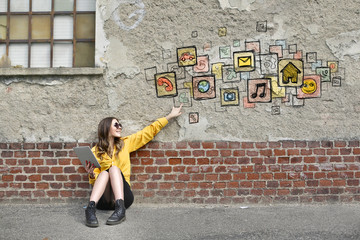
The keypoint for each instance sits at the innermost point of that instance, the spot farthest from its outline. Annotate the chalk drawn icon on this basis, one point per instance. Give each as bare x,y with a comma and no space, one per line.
128,20
229,74
269,64
187,56
275,110
259,90
236,43
183,97
229,96
207,46
291,72
179,71
276,91
325,73
202,64
194,34
222,31
333,65
193,117
292,48
261,26
150,73
247,104
311,57
217,70
253,46
276,49
311,87
244,61
336,81
204,87
166,84
224,52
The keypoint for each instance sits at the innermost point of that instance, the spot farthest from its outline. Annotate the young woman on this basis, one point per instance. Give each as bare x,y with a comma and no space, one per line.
111,182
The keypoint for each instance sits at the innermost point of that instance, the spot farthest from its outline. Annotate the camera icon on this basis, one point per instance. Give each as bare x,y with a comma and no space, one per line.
229,96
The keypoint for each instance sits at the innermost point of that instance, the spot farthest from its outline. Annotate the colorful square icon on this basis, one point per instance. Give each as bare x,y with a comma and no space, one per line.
229,96
204,87
166,84
244,61
311,87
187,56
202,64
291,72
259,90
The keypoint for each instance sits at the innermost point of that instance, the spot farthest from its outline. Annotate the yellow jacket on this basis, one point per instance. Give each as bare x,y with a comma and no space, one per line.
131,144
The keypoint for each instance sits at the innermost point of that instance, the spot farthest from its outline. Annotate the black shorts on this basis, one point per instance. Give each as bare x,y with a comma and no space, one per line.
108,203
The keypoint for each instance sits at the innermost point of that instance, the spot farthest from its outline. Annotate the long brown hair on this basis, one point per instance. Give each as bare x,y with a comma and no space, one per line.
103,145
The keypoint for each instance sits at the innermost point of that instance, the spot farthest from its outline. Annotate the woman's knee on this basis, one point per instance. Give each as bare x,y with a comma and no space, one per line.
114,169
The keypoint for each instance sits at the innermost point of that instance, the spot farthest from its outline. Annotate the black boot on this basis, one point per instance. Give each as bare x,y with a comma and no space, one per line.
91,220
119,214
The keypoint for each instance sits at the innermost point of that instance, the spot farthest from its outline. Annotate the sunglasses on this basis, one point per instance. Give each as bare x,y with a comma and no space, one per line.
118,125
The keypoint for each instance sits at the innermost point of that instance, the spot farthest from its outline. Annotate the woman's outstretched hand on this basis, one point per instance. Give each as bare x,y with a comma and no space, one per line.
175,112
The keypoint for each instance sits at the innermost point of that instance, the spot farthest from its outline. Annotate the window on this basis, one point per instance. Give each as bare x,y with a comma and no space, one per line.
47,33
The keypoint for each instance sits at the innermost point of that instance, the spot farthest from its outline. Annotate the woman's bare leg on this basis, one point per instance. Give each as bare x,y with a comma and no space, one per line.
99,186
117,183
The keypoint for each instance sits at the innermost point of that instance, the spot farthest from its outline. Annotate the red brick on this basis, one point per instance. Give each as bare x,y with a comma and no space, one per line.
234,145
174,161
20,178
222,145
238,153
282,160
181,145
194,144
189,161
244,160
345,151
147,161
35,178
7,154
198,153
56,145
157,153
61,178
42,185
7,178
171,153
193,169
165,185
332,152
164,169
230,161
207,145
253,176
247,145
279,152
206,169
64,161
327,144
212,153
239,176
225,153
23,162
56,170
282,192
15,146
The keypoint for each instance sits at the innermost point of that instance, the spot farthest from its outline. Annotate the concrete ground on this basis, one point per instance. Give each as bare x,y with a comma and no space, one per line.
66,221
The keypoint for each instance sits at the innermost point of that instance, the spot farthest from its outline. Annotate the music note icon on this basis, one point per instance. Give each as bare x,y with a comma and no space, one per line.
261,95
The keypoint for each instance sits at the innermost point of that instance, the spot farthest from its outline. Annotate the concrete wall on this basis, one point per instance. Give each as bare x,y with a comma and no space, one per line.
137,38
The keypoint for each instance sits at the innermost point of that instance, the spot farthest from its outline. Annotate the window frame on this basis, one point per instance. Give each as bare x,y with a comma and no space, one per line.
29,41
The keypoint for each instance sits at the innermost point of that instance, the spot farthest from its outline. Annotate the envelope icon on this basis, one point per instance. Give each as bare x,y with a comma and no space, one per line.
245,61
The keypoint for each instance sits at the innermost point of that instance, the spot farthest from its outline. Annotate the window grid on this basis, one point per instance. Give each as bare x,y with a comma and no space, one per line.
52,41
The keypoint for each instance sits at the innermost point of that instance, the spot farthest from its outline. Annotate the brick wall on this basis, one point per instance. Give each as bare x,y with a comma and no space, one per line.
193,172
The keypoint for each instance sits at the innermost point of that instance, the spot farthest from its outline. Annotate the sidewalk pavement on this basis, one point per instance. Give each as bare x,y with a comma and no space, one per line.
204,222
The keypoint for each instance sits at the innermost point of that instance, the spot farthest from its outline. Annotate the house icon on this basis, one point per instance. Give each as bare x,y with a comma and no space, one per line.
290,73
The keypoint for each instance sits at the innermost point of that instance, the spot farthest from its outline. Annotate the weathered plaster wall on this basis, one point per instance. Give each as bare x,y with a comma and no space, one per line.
134,37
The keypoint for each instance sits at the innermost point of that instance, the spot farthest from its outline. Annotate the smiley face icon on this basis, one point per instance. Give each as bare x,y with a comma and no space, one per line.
309,86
